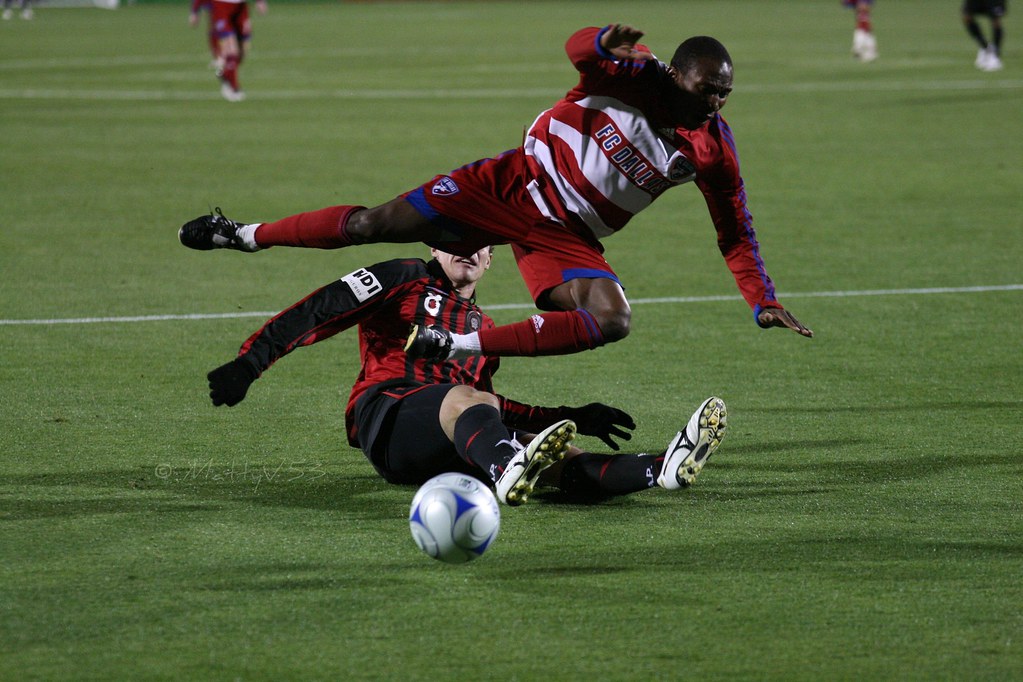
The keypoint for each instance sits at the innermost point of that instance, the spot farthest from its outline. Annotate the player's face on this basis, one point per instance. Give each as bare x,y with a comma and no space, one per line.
463,270
701,92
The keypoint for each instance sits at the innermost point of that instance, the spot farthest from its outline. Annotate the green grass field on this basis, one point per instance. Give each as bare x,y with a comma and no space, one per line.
863,519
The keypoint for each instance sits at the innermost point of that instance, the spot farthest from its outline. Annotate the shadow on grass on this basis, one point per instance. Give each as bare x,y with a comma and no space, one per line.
752,472
894,406
213,488
847,559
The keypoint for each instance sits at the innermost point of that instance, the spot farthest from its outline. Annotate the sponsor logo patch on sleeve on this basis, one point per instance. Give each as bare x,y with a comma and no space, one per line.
363,284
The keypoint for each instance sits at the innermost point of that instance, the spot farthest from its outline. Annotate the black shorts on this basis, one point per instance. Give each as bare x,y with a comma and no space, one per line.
399,431
992,8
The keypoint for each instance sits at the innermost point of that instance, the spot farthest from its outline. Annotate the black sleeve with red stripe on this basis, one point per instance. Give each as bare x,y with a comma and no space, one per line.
330,310
528,417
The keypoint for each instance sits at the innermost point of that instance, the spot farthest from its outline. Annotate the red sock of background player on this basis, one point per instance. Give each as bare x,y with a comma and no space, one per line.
322,229
554,333
230,73
863,19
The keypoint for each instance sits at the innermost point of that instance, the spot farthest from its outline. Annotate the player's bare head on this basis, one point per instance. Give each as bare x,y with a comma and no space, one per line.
701,70
699,48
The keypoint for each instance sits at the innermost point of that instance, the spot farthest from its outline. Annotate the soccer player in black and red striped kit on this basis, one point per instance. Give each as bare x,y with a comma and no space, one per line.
416,418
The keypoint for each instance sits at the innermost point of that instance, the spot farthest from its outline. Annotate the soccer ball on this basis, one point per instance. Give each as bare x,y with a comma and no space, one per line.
454,518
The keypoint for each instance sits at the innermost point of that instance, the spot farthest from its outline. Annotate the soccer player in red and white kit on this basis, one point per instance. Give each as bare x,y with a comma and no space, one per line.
199,6
631,129
233,29
416,418
864,45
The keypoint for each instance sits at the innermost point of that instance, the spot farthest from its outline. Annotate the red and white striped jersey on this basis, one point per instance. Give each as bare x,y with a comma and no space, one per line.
599,149
608,149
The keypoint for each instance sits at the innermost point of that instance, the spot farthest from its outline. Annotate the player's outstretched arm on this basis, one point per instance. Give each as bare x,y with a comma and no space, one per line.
620,40
779,317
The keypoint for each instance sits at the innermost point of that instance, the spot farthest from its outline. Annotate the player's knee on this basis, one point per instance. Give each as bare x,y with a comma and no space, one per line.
394,222
614,324
474,398
460,398
363,227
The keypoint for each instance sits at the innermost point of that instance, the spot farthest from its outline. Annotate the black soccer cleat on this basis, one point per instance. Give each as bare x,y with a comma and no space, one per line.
429,343
213,231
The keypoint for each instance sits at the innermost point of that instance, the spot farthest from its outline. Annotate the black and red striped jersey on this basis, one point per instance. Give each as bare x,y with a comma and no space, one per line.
384,300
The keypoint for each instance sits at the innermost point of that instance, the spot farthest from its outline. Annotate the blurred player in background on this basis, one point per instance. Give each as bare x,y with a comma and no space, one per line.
198,7
989,56
415,419
233,29
631,129
24,5
864,45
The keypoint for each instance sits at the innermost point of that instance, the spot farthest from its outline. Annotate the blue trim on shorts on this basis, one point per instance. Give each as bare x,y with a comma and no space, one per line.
588,273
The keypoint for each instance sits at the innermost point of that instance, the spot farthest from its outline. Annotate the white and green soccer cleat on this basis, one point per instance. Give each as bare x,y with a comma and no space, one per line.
689,451
519,477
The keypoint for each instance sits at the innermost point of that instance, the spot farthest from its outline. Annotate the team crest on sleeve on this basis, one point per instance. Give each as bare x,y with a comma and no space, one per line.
363,284
445,187
680,169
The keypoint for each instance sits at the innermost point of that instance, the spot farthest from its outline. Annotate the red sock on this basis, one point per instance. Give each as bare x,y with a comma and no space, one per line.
231,70
323,229
863,19
554,333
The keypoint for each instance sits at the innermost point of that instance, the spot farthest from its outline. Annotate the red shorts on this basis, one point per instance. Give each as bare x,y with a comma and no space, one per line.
230,19
489,203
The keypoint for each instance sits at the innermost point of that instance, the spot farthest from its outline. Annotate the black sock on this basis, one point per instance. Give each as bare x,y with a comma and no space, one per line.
973,28
996,39
594,476
482,439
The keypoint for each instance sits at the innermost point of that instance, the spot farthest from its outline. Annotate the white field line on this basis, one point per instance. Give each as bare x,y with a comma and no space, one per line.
477,93
526,306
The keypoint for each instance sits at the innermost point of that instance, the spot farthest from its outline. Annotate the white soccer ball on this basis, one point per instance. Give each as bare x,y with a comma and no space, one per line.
454,518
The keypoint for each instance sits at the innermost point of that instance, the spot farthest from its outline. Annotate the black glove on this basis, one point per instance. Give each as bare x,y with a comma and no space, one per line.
229,383
602,421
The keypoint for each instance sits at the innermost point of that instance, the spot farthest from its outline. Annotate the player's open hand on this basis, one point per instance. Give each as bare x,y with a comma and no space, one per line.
779,317
620,40
603,421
